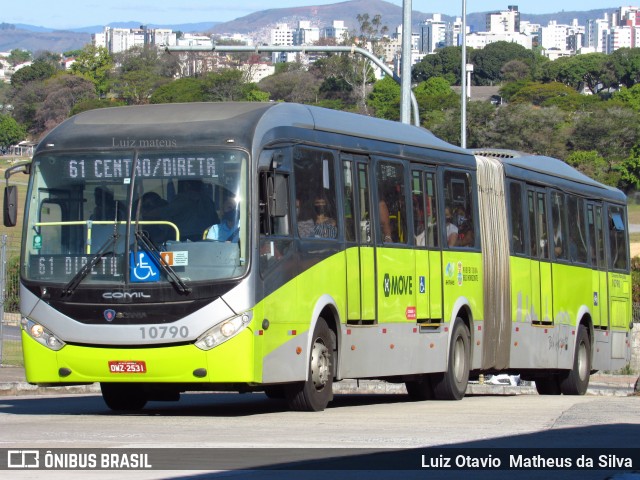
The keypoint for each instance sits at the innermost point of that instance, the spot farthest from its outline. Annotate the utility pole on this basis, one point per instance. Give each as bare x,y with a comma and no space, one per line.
405,69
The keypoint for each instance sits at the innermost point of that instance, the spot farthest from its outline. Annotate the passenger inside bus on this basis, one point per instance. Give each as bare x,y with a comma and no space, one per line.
106,206
228,230
148,203
451,228
465,229
191,210
325,224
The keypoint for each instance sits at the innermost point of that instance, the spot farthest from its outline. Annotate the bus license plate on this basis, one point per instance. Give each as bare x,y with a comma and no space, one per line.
130,366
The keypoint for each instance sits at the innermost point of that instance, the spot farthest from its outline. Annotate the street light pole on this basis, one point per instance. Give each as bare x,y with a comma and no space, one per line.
463,79
405,68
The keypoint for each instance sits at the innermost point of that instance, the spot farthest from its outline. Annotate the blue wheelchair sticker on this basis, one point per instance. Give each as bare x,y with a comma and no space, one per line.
142,268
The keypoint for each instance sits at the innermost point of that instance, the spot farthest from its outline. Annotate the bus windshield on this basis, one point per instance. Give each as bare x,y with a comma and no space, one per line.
113,209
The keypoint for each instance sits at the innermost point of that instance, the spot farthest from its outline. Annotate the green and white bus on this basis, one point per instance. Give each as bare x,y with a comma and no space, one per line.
282,248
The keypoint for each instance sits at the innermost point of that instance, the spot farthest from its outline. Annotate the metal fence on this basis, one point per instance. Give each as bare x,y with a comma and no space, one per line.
10,345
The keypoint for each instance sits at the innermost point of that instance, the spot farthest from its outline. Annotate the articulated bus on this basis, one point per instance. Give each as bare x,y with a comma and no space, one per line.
281,248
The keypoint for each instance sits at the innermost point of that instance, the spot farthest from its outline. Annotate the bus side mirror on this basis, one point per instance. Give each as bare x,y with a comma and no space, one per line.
10,205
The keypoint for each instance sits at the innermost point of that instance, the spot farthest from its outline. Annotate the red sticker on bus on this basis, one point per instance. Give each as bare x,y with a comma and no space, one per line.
128,366
410,313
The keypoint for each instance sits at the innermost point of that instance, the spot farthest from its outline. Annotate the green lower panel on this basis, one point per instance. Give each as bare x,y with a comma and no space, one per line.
231,362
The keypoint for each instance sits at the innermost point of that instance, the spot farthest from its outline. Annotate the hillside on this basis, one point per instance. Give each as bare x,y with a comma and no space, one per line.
40,38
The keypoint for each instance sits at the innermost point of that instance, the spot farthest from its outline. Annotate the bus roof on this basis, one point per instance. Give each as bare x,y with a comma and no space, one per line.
200,124
553,172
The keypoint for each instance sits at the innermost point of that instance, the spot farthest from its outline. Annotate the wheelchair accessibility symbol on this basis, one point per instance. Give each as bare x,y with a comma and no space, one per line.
142,268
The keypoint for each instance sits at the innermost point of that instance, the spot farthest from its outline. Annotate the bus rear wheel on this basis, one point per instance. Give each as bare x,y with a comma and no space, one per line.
314,394
576,381
452,384
123,396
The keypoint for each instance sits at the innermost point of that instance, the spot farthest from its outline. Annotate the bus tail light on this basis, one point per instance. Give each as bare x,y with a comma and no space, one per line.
41,334
223,332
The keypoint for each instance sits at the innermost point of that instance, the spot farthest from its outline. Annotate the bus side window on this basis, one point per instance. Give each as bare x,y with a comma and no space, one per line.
559,238
392,203
577,231
349,201
617,239
459,210
516,218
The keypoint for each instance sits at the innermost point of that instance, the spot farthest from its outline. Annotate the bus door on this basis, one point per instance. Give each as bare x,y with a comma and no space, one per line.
395,256
428,256
541,310
360,256
598,265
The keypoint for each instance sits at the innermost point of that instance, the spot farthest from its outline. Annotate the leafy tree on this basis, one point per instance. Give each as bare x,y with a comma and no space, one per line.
38,70
629,97
541,93
95,64
11,132
228,86
94,103
292,86
26,101
526,128
629,170
61,94
515,70
135,87
611,132
489,61
591,163
625,63
384,99
591,69
445,63
18,56
434,96
182,90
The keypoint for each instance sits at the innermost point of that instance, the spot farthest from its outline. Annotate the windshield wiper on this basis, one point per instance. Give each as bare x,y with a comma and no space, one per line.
153,251
80,275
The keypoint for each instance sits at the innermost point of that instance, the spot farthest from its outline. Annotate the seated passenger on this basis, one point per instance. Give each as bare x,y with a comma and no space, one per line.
228,230
325,226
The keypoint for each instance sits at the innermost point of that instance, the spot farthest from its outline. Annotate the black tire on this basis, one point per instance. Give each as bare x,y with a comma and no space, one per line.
549,385
123,396
421,389
314,394
576,381
452,384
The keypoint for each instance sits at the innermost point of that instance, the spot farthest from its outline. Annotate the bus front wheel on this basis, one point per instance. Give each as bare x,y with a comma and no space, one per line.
314,394
452,384
123,396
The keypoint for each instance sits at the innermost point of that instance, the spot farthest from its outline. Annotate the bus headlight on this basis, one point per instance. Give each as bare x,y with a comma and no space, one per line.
223,331
41,334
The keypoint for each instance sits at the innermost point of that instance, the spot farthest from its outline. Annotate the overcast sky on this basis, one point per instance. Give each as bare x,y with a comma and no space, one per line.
73,13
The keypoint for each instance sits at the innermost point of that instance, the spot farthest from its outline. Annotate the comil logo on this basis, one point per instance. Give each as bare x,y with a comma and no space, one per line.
23,459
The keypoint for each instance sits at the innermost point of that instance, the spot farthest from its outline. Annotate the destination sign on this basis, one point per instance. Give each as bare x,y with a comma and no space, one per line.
62,267
165,167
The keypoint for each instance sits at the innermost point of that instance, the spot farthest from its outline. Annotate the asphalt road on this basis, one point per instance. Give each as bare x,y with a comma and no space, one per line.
496,424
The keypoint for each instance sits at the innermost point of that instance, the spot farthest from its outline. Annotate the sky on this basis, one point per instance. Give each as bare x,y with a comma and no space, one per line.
61,14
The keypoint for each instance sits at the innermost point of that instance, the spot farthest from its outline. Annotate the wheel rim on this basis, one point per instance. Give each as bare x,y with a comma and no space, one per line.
583,362
320,364
459,360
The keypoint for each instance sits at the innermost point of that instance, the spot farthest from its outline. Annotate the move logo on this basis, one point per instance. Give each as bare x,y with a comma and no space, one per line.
397,285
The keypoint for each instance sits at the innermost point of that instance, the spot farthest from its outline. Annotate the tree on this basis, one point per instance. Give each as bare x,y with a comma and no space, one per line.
228,86
515,70
182,90
18,56
610,131
629,97
434,96
590,69
38,70
11,132
629,170
445,63
62,93
135,87
625,63
591,163
293,85
95,64
385,99
489,61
